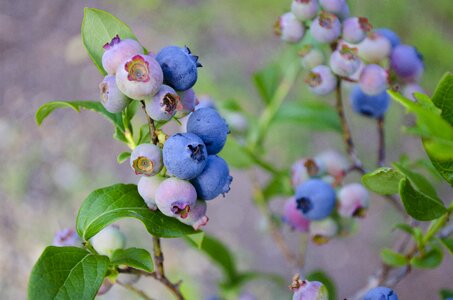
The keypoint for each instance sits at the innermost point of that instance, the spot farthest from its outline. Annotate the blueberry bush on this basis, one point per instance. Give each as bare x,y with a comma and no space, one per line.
181,148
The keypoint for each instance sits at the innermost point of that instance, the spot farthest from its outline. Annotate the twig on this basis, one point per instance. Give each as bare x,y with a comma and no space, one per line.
152,127
135,290
158,257
381,142
347,137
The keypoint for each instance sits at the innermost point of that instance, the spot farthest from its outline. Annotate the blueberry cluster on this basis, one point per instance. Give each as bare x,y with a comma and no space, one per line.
374,60
183,171
321,202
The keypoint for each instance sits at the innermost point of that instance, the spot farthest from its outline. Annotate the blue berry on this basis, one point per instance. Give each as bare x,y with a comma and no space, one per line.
67,237
381,293
146,159
389,35
370,106
321,80
175,197
111,98
179,67
315,198
355,29
373,80
117,51
210,127
162,106
407,62
185,155
326,28
289,28
304,9
344,61
214,180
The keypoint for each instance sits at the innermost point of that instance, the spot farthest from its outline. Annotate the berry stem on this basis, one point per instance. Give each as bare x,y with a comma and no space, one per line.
381,142
152,127
347,137
135,290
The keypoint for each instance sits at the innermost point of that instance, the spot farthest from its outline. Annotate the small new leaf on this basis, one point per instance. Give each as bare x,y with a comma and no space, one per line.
123,156
133,257
429,260
393,258
383,181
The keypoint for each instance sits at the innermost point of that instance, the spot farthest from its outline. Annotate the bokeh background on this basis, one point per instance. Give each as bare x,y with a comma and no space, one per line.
47,171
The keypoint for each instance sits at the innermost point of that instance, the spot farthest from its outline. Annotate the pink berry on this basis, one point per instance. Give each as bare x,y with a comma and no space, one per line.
162,106
175,197
304,9
187,103
355,29
344,62
322,231
294,217
411,88
307,290
289,28
146,159
117,51
334,163
374,48
353,200
197,215
373,80
311,57
111,98
303,169
321,80
139,76
326,28
147,187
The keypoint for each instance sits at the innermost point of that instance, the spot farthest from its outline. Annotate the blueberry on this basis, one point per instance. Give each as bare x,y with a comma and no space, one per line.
214,180
204,101
175,197
307,290
67,237
373,80
210,127
289,28
187,103
355,29
326,28
321,80
147,187
197,215
344,61
294,217
111,98
381,293
304,9
179,67
353,200
185,155
146,159
139,76
374,48
389,35
407,62
370,106
117,51
333,163
322,231
311,57
315,198
109,239
162,106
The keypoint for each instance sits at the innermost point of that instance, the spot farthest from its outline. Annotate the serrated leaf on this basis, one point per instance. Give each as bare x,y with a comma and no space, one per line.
123,156
98,28
315,115
266,81
429,260
448,243
326,280
107,205
133,257
418,205
384,181
393,258
420,182
67,273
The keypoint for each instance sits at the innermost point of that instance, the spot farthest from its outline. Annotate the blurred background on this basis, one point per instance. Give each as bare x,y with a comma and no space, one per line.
47,171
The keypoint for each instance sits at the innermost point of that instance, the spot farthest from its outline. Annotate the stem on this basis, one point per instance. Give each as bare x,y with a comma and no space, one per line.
381,142
347,137
158,257
152,127
135,290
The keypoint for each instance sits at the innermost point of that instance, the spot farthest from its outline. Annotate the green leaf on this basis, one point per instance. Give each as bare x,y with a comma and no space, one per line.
448,243
420,182
106,205
266,82
220,255
383,181
418,205
326,280
123,156
393,258
67,273
443,97
444,293
133,257
314,115
429,260
196,239
235,155
98,28
278,185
